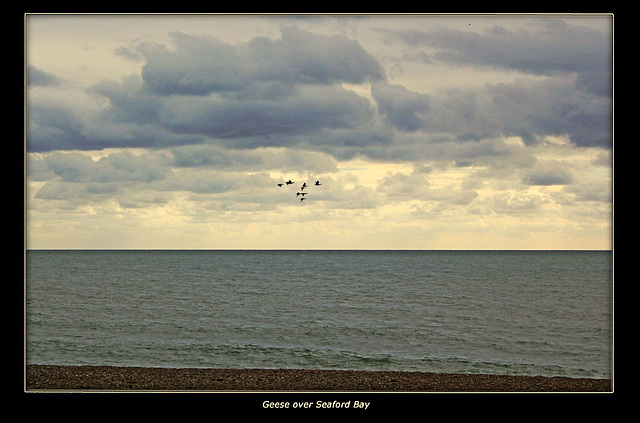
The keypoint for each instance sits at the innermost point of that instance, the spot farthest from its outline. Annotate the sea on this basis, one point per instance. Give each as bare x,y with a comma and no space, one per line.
542,313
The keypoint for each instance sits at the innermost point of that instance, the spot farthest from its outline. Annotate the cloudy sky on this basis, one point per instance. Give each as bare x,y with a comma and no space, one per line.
426,132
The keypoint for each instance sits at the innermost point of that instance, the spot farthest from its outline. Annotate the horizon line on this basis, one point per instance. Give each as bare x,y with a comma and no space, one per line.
317,249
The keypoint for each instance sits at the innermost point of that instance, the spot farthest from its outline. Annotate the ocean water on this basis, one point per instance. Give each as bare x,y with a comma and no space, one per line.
545,313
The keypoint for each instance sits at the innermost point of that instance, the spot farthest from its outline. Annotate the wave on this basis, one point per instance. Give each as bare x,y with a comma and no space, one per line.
249,355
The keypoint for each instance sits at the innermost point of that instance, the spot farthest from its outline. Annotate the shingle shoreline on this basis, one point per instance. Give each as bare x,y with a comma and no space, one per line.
112,378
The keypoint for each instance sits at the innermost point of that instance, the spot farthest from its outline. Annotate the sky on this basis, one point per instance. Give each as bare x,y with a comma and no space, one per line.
425,131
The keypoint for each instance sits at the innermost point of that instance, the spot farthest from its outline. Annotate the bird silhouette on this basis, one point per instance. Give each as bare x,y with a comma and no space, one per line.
300,193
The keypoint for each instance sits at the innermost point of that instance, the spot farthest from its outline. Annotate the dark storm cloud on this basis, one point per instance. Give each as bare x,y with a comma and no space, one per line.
38,77
53,127
552,107
202,65
573,98
401,107
457,112
310,108
546,47
528,108
287,92
261,93
57,126
128,103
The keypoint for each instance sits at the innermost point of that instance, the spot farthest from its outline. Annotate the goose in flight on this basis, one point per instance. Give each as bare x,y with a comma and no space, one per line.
289,182
280,185
318,183
302,199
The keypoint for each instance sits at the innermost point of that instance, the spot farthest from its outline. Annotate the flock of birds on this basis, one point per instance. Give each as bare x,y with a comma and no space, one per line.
300,193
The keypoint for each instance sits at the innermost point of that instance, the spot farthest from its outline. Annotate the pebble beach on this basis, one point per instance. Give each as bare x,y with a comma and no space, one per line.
111,378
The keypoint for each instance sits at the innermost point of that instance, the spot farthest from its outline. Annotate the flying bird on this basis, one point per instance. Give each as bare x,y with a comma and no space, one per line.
300,194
